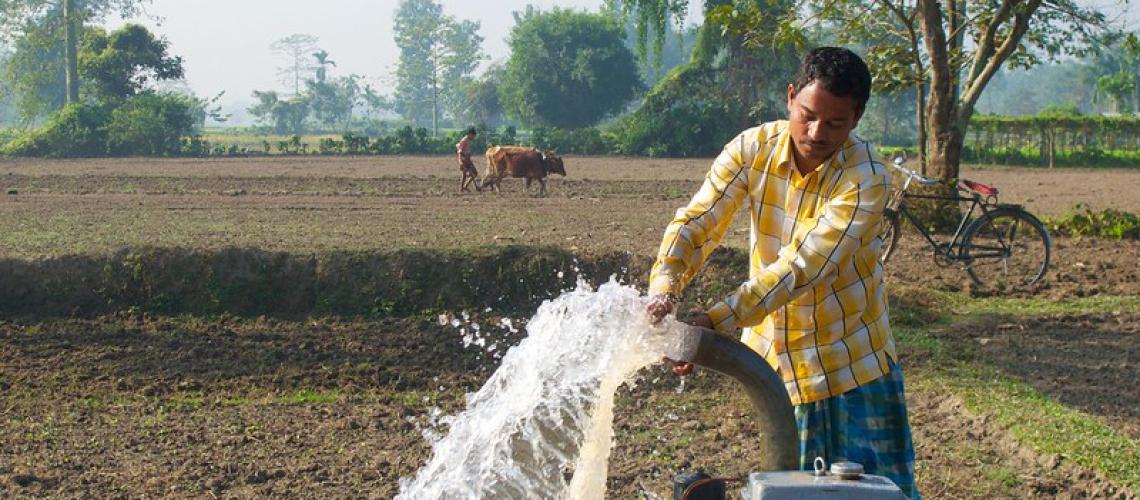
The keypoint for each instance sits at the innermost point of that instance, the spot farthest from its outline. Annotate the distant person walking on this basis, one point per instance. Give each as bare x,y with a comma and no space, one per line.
467,171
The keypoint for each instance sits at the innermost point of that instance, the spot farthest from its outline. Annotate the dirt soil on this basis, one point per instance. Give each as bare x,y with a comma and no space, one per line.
315,204
1048,192
130,406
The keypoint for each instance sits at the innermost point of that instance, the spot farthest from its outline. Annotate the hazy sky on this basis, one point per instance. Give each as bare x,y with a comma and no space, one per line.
225,43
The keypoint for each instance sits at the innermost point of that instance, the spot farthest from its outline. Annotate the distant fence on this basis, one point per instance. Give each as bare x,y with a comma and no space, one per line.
1054,140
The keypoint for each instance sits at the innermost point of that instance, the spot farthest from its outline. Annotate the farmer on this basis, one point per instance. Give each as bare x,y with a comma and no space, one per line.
814,306
466,167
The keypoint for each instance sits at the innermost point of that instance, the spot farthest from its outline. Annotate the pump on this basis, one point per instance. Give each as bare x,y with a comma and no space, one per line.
778,447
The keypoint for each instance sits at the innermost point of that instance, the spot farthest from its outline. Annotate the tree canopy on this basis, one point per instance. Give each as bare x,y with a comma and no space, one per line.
567,69
121,63
438,54
298,50
113,65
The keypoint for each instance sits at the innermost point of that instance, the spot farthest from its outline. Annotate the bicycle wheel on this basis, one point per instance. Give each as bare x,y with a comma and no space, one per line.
889,234
1006,248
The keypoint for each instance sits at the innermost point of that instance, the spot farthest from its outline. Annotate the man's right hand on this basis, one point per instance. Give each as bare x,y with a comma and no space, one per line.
660,305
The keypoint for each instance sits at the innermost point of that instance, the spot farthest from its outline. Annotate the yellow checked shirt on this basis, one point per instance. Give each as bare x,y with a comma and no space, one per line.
814,306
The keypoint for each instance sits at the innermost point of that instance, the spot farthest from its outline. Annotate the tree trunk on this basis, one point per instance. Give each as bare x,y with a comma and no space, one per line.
71,46
921,121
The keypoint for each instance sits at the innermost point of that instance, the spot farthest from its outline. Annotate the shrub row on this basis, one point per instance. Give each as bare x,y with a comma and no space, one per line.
142,125
1108,223
398,283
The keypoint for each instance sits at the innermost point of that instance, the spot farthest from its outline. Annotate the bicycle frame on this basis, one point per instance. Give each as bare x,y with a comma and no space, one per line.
947,249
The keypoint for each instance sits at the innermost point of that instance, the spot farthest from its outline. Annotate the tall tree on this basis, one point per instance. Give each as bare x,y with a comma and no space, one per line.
286,116
567,68
16,16
1116,76
733,79
481,104
70,51
323,62
122,63
954,48
437,56
297,49
114,66
332,100
949,50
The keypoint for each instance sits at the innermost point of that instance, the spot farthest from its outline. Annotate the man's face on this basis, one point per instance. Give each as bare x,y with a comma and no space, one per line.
820,122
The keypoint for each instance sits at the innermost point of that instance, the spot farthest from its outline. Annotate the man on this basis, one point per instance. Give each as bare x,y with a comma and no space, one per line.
467,171
814,306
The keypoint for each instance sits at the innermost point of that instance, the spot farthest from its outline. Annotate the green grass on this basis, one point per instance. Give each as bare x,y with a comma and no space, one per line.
1039,307
189,401
942,304
309,398
1037,420
1033,418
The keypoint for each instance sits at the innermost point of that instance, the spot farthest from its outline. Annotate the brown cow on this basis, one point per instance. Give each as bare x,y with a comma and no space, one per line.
521,161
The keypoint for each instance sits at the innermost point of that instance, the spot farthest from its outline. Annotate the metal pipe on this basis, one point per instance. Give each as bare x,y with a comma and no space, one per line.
777,443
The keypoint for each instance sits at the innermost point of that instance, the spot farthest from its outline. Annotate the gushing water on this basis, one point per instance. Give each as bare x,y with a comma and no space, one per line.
546,414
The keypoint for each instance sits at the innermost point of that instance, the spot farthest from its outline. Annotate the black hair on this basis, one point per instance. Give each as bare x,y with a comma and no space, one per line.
838,70
470,130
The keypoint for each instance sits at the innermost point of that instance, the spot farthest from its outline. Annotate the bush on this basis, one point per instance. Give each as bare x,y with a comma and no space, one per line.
1108,223
146,124
587,141
76,131
684,116
150,125
8,135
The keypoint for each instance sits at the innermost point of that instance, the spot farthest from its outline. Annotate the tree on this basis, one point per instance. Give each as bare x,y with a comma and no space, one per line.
114,66
1116,76
34,73
323,62
297,50
480,99
733,79
17,15
120,64
285,116
567,69
949,50
332,101
374,102
952,50
437,56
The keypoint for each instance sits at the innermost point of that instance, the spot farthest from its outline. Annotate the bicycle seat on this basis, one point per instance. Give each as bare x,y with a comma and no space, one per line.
980,188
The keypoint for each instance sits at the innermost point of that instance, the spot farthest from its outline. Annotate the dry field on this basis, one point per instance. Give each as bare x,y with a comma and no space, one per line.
314,204
1029,396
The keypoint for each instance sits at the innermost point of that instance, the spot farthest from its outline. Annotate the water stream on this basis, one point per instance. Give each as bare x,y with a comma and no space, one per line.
541,426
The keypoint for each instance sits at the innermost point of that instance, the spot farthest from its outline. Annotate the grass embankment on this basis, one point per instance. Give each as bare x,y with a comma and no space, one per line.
1034,418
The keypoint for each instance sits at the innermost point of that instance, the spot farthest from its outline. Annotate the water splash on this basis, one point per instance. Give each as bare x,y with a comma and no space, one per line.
541,426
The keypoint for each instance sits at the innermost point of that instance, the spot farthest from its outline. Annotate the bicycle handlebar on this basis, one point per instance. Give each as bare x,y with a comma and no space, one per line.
925,181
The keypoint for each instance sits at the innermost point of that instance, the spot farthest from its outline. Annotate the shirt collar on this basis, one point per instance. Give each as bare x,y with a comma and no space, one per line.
785,160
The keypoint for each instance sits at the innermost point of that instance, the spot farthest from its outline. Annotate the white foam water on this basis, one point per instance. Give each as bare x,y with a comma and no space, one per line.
541,426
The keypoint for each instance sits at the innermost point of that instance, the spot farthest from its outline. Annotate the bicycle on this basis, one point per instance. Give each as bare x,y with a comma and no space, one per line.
1004,246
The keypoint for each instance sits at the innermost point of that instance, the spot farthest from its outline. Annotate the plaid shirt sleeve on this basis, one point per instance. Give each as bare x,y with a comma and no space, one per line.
814,253
698,228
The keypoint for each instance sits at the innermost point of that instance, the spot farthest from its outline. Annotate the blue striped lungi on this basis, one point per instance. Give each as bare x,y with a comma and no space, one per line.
868,425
